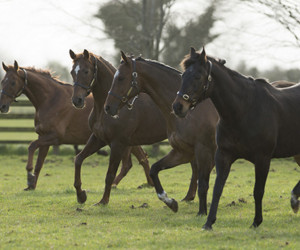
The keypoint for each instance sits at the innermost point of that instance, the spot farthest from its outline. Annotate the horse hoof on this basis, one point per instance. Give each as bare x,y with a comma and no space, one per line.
188,198
29,188
295,204
201,214
102,202
30,180
207,227
173,205
81,197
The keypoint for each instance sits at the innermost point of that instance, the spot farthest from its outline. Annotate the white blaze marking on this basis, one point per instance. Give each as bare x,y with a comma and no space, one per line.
117,74
77,68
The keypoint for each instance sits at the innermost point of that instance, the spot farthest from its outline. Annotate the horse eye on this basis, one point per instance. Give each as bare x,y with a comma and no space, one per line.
86,72
13,83
121,78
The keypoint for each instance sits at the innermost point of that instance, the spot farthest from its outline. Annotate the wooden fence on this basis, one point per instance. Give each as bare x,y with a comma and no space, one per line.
17,129
25,129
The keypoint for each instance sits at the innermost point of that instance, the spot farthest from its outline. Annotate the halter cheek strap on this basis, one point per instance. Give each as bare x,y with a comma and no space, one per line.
90,86
125,98
21,90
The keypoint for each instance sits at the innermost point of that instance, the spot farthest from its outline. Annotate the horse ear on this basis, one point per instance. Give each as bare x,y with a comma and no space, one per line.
222,61
124,57
72,54
86,54
16,66
4,66
193,52
203,55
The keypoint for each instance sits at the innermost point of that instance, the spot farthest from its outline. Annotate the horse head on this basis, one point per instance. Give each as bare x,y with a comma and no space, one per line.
84,73
12,85
124,87
195,83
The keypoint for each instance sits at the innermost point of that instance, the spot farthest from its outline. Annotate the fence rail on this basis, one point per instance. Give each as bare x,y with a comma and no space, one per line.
17,129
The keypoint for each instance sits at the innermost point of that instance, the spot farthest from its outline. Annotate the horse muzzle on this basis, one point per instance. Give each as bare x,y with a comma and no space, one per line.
180,108
4,108
112,111
78,102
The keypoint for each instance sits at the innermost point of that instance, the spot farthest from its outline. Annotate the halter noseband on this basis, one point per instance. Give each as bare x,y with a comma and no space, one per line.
90,86
21,90
125,98
193,102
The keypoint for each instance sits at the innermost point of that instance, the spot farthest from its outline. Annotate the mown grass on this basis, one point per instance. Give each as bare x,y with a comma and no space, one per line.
50,216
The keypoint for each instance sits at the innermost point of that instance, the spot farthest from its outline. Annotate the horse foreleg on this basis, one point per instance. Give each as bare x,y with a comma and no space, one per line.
30,176
92,146
142,157
43,151
262,167
295,203
126,166
116,154
172,159
205,162
193,184
223,165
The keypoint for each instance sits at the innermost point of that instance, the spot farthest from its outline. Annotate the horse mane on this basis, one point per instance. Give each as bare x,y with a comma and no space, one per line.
188,61
47,74
161,65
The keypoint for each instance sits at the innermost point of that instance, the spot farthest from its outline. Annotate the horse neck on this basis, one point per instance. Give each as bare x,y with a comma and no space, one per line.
230,95
103,82
161,84
38,90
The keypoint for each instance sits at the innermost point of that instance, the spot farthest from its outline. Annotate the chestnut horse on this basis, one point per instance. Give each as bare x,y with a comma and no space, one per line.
143,124
56,120
192,139
258,122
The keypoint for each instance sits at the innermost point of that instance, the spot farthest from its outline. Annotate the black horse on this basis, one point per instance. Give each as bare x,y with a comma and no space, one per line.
257,122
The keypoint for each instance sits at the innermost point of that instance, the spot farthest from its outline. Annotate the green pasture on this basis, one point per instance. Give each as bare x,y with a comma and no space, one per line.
50,216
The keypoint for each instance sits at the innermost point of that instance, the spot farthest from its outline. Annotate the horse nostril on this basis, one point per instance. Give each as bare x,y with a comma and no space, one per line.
177,107
107,108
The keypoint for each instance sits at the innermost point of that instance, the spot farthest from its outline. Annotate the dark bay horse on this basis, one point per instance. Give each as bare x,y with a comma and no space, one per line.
257,122
56,120
143,124
192,139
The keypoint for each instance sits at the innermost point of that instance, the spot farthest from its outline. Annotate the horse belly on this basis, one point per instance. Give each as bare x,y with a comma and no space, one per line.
287,145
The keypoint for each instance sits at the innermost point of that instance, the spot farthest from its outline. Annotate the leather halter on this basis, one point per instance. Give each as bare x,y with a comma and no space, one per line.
20,92
125,98
193,102
90,86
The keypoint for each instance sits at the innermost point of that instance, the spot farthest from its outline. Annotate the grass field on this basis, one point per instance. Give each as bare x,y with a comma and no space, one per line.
50,216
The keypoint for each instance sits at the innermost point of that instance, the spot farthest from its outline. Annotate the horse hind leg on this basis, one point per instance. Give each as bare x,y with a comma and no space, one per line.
142,157
295,203
126,166
295,194
190,196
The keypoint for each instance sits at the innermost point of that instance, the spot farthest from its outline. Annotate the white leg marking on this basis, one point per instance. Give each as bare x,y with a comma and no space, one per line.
164,197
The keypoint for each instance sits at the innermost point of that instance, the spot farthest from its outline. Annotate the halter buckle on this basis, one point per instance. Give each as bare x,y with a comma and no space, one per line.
185,97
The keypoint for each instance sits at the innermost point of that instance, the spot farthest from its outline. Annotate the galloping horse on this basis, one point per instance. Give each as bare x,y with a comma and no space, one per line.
143,124
257,122
192,139
56,120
